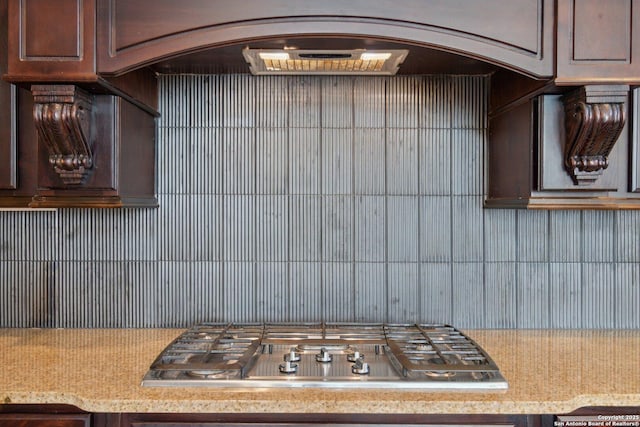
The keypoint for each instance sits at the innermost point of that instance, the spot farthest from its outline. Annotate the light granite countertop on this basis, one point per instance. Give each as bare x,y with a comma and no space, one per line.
549,372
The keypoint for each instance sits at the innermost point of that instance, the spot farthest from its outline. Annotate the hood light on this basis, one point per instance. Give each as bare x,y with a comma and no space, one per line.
378,56
293,61
273,56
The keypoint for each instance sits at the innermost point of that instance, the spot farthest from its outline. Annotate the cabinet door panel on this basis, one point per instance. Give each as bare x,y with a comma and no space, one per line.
55,40
7,113
598,41
41,36
593,19
44,420
8,144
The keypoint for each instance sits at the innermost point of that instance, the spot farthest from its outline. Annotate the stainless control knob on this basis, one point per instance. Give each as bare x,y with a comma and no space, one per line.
360,367
288,367
324,356
355,356
292,356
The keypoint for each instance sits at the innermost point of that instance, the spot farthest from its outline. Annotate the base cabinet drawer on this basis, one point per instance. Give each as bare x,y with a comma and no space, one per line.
45,420
319,420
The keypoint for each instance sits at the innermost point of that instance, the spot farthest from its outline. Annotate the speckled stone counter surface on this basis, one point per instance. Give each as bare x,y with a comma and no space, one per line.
100,371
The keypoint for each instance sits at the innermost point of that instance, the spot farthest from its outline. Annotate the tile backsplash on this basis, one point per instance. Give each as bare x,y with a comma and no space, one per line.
320,199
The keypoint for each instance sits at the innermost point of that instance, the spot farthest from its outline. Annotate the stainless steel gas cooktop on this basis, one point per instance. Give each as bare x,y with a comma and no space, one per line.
337,355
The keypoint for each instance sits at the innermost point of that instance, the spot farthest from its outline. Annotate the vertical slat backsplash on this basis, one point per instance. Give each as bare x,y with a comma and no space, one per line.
627,294
565,295
313,198
371,299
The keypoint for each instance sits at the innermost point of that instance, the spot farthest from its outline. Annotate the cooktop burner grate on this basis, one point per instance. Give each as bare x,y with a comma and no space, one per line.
211,348
436,348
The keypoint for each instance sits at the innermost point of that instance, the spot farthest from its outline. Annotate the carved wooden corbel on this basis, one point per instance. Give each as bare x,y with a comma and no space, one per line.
594,118
62,115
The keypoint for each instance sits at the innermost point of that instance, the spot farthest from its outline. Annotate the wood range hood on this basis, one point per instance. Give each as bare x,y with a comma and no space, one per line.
80,90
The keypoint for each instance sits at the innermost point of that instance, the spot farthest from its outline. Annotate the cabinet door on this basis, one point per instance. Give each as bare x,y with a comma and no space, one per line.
317,420
44,420
598,41
51,40
8,143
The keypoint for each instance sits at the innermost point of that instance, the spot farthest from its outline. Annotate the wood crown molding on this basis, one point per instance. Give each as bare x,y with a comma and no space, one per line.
62,115
594,118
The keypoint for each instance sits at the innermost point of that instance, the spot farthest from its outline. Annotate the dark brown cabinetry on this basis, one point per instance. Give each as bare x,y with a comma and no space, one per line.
562,125
70,138
8,148
43,416
18,141
572,142
302,420
570,150
68,416
54,41
8,142
598,42
111,163
19,147
40,420
95,157
132,33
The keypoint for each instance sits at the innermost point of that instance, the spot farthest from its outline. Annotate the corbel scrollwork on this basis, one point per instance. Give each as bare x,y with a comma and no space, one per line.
594,119
62,115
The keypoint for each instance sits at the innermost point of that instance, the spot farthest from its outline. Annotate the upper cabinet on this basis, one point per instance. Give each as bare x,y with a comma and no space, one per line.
70,137
53,41
18,150
569,151
571,142
78,125
598,42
